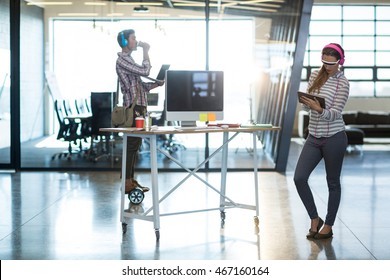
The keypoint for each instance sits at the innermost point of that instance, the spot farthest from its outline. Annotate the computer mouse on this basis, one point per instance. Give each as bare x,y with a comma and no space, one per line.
224,126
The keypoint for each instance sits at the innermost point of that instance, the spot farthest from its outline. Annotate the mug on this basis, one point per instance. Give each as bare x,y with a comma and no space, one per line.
139,122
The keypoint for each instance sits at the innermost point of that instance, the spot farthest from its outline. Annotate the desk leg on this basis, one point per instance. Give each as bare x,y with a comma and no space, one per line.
223,175
255,173
155,195
123,183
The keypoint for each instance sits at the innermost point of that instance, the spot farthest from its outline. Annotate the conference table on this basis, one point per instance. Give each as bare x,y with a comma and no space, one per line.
229,133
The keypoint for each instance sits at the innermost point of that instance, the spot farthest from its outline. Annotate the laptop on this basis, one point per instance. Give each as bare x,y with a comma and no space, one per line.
161,73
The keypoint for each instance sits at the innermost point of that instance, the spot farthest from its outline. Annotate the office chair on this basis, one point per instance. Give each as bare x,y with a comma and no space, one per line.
68,131
85,114
80,122
81,106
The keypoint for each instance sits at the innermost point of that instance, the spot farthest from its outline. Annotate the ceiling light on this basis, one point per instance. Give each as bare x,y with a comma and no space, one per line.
38,3
139,3
150,15
255,9
95,4
115,15
78,14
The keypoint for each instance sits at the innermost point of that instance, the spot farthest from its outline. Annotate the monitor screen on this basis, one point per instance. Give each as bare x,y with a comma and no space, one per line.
189,95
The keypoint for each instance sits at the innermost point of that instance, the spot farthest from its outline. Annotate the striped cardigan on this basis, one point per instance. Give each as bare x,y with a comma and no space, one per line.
330,121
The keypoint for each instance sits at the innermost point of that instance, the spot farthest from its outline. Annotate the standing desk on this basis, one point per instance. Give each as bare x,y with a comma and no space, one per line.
151,136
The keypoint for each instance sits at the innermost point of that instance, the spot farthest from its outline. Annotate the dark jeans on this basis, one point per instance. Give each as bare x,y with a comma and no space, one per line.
133,144
332,150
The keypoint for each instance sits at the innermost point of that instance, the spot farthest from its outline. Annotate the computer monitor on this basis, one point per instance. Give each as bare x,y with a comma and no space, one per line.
191,96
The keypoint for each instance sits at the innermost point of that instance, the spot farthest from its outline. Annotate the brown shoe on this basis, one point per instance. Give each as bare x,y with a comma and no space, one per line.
144,189
131,184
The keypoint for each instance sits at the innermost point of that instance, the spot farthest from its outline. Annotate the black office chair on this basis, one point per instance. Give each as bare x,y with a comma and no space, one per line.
80,125
83,110
68,131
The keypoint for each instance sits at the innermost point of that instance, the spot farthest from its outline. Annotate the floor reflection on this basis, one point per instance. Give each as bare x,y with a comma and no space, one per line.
322,246
75,215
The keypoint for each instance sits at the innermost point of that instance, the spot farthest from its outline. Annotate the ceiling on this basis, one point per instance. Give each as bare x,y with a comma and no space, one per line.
125,8
172,8
232,7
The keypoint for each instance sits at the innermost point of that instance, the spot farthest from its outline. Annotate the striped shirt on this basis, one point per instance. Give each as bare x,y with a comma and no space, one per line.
330,121
129,75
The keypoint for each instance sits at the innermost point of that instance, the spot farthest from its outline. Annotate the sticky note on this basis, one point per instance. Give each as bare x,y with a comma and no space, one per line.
211,117
203,117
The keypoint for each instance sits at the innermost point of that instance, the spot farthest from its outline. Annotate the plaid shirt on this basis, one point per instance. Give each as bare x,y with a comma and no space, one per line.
129,75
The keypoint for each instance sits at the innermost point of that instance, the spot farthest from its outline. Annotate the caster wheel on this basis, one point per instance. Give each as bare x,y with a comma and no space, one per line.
223,216
136,196
124,228
256,220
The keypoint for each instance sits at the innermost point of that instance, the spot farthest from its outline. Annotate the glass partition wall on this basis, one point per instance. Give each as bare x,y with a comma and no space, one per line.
254,44
5,100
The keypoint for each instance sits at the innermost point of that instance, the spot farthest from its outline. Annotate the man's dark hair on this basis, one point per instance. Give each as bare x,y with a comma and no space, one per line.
122,37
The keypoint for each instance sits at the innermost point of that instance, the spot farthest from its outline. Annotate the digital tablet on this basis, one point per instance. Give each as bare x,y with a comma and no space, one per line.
161,73
312,96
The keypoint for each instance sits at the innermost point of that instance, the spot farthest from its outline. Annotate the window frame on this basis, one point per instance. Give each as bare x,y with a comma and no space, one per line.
315,36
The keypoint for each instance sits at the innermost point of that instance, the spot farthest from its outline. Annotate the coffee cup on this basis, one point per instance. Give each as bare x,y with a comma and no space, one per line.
139,122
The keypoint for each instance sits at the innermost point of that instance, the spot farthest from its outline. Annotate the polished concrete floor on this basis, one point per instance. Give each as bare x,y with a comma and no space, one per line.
75,215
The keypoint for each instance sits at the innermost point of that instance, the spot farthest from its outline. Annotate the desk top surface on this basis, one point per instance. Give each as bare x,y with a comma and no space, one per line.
178,130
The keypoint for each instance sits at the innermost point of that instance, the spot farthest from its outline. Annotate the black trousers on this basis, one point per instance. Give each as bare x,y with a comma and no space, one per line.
133,144
332,150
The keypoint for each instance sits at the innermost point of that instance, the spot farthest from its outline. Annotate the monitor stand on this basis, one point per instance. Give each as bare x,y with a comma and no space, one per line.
188,123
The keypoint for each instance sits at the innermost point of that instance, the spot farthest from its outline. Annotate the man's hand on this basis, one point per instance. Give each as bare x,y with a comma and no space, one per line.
144,45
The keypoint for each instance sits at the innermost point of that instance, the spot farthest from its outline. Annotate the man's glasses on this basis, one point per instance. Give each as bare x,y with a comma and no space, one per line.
331,63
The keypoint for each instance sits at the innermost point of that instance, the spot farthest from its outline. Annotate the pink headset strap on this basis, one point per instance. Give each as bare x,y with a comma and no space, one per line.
335,47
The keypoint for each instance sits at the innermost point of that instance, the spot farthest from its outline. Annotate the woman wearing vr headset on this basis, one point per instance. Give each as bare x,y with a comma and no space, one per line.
327,139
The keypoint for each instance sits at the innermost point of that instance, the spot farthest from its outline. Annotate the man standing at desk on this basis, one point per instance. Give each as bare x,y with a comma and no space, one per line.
133,88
